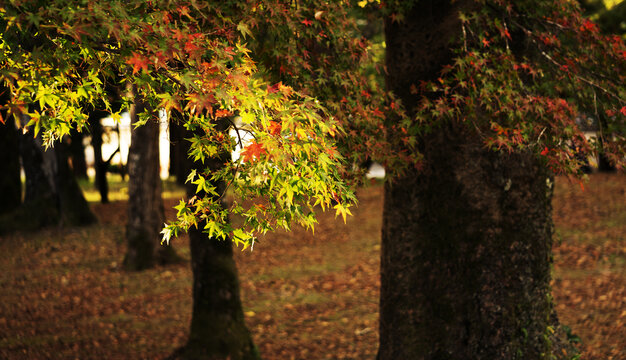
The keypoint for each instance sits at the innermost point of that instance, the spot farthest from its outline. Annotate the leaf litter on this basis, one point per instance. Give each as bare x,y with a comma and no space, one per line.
305,296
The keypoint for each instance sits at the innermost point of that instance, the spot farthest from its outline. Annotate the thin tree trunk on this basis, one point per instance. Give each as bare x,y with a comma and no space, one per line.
466,240
77,154
218,330
145,205
99,164
178,150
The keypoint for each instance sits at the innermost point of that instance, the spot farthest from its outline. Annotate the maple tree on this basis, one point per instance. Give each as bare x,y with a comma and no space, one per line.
186,57
472,131
496,99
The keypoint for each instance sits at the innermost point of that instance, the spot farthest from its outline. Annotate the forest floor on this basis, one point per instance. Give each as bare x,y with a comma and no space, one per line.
63,294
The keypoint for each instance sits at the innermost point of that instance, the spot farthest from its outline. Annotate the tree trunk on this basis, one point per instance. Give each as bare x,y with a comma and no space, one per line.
99,164
73,207
178,150
52,195
466,240
145,205
218,330
77,154
10,182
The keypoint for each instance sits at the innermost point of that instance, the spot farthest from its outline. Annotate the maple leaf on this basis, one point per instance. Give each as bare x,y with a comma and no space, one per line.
275,128
252,152
190,47
222,113
272,89
623,110
138,62
378,113
307,22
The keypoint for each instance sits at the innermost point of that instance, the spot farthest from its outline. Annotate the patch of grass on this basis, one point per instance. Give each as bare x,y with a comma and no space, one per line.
118,189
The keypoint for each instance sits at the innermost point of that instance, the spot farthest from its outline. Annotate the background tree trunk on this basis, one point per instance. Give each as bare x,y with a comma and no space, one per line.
466,240
73,207
178,150
10,182
145,205
77,154
52,195
100,165
218,330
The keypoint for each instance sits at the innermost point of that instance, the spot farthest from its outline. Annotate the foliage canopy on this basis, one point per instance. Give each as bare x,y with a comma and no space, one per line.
526,76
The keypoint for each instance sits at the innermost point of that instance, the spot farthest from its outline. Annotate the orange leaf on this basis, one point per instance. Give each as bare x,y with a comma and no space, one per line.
252,152
275,128
138,62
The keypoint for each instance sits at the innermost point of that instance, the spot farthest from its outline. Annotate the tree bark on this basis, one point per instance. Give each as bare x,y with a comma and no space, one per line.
218,330
77,154
178,150
73,207
52,195
466,240
99,164
145,205
10,182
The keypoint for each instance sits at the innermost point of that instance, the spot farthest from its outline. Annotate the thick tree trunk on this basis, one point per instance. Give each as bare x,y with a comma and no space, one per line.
465,267
52,195
39,199
466,240
145,205
218,330
73,207
10,182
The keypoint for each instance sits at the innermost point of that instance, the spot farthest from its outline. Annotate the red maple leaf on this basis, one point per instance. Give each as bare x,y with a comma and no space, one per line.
252,152
623,110
272,89
275,128
378,113
138,62
190,47
307,22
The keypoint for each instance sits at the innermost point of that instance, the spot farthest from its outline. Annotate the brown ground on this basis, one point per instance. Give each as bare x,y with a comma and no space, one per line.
63,295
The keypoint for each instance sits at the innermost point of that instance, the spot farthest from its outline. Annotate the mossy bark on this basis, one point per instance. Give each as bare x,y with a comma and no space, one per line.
466,240
145,205
466,255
